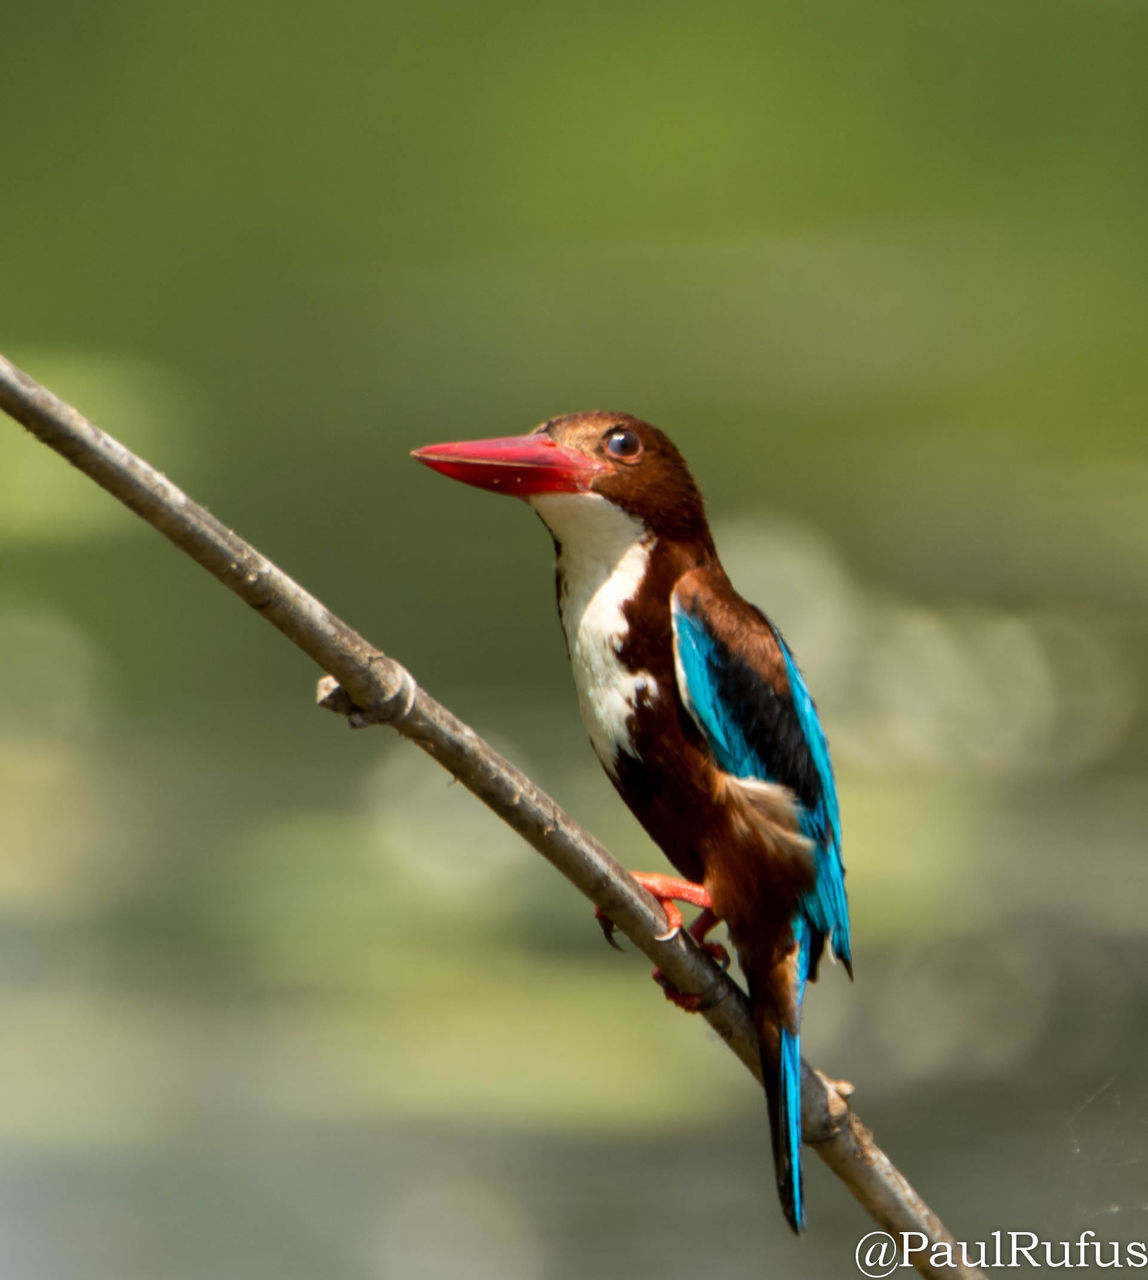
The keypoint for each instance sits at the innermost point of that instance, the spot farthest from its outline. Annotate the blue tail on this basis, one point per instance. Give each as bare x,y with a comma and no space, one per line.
783,1091
790,1184
782,1075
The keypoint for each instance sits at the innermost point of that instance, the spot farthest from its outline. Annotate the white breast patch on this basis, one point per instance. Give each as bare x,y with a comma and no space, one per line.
603,554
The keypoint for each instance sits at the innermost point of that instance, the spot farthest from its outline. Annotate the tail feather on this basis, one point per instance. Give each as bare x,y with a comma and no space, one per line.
782,1077
777,1003
790,1181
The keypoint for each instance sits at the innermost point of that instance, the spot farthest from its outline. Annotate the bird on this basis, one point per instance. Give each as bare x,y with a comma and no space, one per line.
698,711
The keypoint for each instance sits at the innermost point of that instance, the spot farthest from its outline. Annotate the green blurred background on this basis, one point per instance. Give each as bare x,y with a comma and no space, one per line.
275,1000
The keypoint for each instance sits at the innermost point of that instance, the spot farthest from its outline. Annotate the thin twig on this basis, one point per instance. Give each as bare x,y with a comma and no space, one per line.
372,688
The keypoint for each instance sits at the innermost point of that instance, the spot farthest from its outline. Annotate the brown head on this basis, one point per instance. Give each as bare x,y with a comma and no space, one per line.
615,456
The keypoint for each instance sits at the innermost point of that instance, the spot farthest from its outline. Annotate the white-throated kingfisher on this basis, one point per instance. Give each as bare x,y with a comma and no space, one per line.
698,712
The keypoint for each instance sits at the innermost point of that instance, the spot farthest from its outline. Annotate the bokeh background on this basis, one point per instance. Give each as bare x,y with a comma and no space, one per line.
275,999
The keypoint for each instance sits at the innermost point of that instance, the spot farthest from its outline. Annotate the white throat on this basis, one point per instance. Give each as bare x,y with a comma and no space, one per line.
602,558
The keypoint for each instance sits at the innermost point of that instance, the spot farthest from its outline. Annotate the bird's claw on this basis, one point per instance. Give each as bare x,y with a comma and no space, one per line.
607,926
673,921
718,953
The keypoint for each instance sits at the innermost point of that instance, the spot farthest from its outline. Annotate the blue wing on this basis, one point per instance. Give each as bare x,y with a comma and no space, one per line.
754,709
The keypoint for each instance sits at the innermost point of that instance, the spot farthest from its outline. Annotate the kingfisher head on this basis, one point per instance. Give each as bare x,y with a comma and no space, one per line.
584,471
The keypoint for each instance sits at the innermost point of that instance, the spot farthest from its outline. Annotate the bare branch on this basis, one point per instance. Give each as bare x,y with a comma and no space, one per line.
371,688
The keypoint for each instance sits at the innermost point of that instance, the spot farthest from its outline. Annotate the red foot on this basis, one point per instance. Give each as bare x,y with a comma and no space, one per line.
667,889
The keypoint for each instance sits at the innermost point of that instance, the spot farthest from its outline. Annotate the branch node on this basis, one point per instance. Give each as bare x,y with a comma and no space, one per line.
331,696
837,1113
399,704
844,1087
390,708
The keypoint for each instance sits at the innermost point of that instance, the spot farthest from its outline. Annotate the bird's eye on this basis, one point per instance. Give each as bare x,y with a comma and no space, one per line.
622,444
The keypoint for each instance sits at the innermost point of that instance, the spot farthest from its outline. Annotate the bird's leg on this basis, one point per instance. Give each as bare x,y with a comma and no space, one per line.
669,891
666,889
704,924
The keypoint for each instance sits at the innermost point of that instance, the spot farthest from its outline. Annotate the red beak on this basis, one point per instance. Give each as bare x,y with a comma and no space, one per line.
518,465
